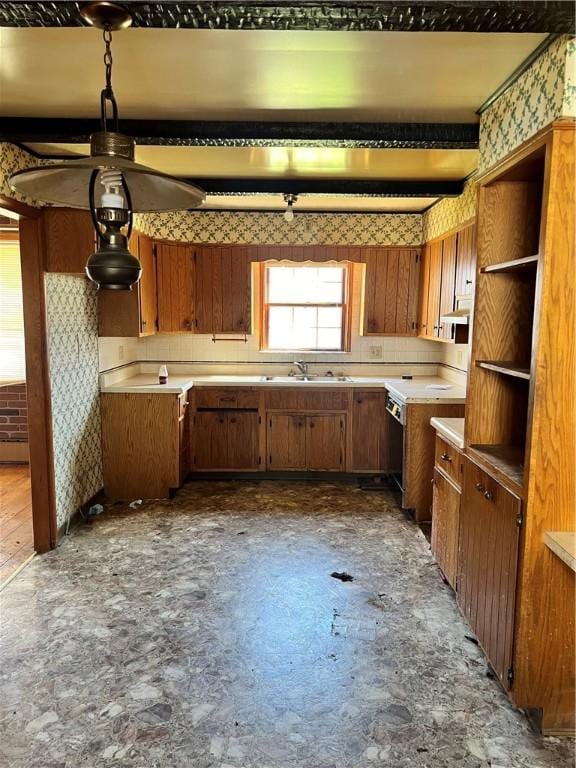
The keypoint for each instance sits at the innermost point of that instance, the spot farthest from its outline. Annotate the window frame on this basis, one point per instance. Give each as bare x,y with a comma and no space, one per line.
345,305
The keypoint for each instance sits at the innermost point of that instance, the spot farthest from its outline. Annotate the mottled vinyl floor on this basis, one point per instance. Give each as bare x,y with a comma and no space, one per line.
207,632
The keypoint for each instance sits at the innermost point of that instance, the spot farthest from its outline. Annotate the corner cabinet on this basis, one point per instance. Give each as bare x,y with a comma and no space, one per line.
447,273
132,313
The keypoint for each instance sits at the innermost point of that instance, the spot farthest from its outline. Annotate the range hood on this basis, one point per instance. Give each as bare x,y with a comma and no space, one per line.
460,315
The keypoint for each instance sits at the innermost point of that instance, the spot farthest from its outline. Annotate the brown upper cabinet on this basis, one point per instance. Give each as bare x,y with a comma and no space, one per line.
132,313
69,239
391,291
222,299
448,266
175,276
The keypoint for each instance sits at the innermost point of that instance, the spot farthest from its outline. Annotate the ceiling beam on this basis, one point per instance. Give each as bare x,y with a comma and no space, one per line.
187,133
372,188
338,15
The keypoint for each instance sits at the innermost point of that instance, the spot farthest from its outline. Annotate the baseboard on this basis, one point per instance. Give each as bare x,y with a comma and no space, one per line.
79,515
14,453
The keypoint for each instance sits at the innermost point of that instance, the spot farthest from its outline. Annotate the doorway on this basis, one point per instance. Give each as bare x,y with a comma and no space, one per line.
16,529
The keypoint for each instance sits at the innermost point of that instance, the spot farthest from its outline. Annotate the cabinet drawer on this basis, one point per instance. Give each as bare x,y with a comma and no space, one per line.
302,400
449,460
227,398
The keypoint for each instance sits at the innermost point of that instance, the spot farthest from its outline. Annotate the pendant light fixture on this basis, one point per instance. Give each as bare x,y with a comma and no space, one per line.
289,199
108,183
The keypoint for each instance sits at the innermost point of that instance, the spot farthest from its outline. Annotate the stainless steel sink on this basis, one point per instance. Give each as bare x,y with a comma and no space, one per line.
310,379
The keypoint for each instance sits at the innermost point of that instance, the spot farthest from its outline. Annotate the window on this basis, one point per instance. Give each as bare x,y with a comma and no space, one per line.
305,307
12,366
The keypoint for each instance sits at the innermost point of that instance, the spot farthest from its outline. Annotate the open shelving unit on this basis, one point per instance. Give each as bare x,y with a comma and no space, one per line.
510,213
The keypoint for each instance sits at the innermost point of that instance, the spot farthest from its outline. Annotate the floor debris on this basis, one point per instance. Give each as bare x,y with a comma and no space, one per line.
342,576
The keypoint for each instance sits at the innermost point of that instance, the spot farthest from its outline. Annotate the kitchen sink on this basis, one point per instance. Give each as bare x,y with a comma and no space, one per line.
311,379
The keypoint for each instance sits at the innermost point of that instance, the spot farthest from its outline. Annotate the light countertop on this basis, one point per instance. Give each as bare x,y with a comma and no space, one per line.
563,544
408,391
426,389
450,429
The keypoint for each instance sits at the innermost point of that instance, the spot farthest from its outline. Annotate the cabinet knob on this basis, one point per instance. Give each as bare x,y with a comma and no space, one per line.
445,457
480,487
487,495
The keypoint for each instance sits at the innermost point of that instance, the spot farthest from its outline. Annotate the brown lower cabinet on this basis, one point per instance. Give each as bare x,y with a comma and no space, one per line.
445,526
488,565
375,445
306,441
225,440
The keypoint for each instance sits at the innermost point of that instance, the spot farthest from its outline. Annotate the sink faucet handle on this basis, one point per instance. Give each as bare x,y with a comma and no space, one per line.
302,366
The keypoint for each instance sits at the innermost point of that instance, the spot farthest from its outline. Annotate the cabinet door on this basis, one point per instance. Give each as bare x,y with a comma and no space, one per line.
325,442
174,269
424,290
445,526
466,261
210,440
391,291
434,286
222,291
243,440
147,285
488,565
369,431
69,239
286,441
447,284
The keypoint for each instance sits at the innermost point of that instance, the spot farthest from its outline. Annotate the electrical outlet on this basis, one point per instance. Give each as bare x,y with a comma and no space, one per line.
375,353
121,352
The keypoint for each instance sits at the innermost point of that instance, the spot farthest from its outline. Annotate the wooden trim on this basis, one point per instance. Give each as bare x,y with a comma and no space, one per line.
22,209
37,373
453,231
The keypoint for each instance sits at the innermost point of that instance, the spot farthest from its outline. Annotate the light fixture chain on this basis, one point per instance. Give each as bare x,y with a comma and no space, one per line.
107,35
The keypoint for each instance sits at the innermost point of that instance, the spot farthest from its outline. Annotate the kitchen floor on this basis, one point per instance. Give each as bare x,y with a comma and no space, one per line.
209,632
16,535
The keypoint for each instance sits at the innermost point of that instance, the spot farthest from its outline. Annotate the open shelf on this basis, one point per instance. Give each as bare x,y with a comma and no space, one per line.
512,266
506,462
506,368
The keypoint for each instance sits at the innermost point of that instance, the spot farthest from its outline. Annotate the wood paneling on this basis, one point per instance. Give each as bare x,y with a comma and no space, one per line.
140,444
447,284
418,465
226,440
488,565
222,291
286,441
232,397
434,286
325,442
445,526
175,287
466,261
69,239
299,399
373,448
132,313
449,460
424,292
391,291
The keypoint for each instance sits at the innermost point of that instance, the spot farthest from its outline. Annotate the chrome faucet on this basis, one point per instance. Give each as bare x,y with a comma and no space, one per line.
302,367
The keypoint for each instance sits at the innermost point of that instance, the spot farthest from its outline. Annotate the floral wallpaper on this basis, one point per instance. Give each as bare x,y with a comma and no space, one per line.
450,212
270,228
73,360
542,94
13,159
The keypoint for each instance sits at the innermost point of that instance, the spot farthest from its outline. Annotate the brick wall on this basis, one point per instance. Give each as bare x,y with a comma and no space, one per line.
13,413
